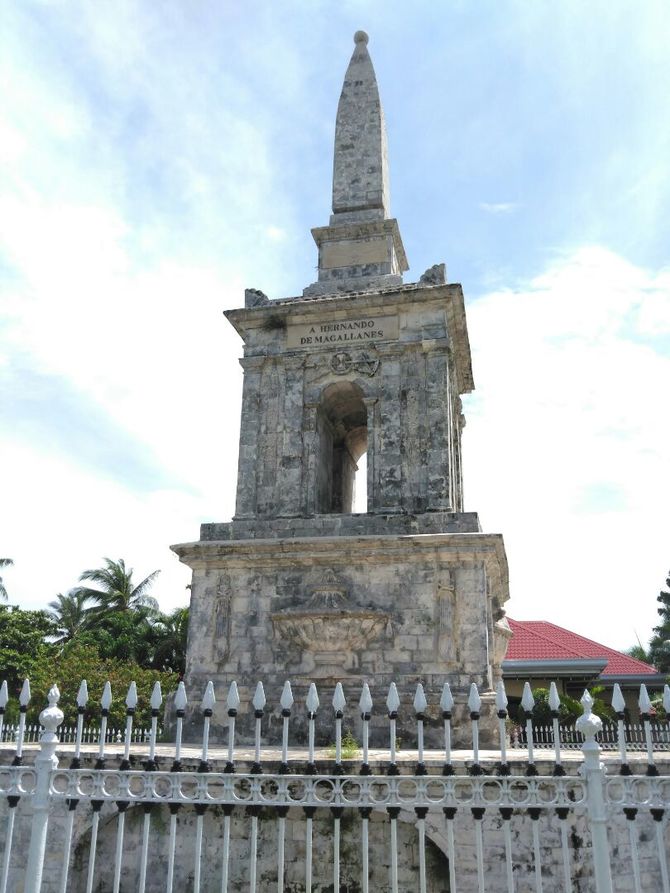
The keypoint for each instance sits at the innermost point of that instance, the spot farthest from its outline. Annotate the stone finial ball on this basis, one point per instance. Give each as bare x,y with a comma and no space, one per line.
361,37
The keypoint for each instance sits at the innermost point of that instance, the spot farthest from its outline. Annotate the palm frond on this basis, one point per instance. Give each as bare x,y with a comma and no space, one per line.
138,591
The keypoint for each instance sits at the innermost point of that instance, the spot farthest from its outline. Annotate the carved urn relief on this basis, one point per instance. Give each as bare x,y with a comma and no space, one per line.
328,630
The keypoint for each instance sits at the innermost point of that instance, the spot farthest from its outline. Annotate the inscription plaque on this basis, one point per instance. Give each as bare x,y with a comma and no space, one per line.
333,333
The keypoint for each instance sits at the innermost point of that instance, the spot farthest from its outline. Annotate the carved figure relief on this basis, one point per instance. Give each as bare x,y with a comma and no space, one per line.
445,607
222,618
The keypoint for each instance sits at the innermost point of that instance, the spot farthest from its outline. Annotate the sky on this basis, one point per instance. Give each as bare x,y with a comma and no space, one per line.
158,158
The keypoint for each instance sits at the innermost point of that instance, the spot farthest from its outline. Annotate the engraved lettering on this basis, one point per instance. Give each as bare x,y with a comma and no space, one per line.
342,331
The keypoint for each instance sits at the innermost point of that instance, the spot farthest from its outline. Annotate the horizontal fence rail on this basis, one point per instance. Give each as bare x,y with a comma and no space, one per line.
384,820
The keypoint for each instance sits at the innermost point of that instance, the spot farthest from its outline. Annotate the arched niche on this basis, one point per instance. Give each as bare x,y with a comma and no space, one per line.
342,429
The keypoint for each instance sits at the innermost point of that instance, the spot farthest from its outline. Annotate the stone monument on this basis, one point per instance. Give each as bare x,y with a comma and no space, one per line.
298,585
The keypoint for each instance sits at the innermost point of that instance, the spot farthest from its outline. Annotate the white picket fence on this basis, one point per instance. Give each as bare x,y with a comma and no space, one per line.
68,734
442,791
607,738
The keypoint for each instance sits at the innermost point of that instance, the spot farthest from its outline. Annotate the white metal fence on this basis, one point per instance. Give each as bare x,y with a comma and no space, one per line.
68,734
468,805
634,734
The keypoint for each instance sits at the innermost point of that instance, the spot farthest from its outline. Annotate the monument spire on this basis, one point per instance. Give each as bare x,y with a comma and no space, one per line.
360,166
361,248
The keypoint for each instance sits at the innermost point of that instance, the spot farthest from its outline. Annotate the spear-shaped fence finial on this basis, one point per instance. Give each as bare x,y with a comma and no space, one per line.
180,704
233,705
392,705
501,708
312,700
475,706
82,696
420,707
646,711
555,707
106,699
207,704
619,706
339,703
286,699
286,702
180,698
258,702
131,698
447,706
155,703
618,700
365,702
528,705
131,704
644,702
156,696
312,704
233,699
24,697
105,704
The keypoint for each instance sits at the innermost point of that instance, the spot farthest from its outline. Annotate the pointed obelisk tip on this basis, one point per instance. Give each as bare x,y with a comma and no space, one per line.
352,259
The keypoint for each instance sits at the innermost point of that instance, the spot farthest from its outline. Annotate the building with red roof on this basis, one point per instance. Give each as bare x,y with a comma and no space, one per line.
541,652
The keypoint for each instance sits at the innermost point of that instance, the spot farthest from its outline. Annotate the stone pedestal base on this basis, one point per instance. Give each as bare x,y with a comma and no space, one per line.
350,609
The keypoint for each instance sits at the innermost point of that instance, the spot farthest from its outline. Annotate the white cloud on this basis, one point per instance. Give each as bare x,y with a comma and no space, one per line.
567,446
58,519
499,207
275,233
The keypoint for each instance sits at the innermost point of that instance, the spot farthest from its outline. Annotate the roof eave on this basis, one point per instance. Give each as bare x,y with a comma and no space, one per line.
634,679
545,668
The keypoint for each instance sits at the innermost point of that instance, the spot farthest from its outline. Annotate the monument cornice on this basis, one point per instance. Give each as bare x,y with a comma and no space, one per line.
455,548
276,315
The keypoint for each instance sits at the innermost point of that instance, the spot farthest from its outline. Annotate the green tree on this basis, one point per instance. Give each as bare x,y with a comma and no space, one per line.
639,652
22,648
70,614
171,631
79,660
570,709
4,562
122,635
659,646
116,589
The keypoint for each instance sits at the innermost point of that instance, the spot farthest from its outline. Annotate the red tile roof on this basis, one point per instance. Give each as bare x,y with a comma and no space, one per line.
540,640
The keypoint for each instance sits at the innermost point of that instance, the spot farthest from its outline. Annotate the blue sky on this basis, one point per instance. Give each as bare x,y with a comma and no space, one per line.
159,158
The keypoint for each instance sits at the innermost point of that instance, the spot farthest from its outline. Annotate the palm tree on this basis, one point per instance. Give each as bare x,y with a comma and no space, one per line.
117,591
70,614
4,562
171,631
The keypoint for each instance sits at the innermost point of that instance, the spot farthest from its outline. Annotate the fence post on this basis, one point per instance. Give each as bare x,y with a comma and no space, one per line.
593,772
45,762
